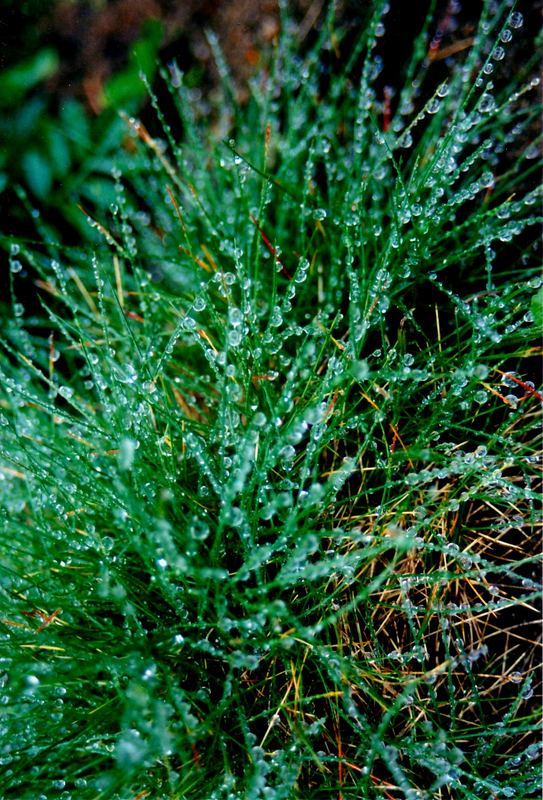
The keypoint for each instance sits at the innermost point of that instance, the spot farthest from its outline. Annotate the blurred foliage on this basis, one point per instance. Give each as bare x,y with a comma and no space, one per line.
17,80
126,88
50,148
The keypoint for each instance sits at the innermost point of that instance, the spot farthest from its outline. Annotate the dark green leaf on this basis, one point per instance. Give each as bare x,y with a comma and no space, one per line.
75,125
37,173
59,152
17,80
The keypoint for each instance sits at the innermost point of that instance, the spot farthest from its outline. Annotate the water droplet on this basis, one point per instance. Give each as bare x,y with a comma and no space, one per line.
127,449
199,530
66,392
532,152
516,20
15,266
127,374
360,370
480,371
498,54
287,453
487,103
487,180
131,749
234,338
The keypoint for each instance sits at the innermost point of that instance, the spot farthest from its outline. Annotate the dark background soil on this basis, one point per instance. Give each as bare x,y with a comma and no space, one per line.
93,37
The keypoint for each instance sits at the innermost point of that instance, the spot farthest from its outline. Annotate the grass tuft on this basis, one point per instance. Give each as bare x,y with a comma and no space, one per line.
268,473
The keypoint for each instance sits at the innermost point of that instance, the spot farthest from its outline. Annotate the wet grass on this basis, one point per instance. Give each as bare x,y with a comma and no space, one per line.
268,469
